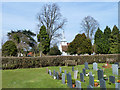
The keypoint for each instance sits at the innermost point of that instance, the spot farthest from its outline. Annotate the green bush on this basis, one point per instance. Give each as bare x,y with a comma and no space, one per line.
33,62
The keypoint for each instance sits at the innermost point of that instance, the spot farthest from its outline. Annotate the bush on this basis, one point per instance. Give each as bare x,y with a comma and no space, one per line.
33,62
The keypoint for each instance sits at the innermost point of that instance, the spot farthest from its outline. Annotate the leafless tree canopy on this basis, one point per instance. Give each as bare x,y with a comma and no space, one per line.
51,18
89,26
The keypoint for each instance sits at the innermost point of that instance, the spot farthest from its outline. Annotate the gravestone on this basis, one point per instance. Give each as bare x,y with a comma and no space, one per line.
72,68
117,86
84,71
91,80
75,74
90,73
95,66
102,84
50,72
46,70
81,77
112,79
53,73
57,75
63,78
115,69
89,87
100,74
60,69
86,65
69,80
78,84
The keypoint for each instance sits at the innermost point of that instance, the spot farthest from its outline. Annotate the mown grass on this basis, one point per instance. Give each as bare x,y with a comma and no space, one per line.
38,78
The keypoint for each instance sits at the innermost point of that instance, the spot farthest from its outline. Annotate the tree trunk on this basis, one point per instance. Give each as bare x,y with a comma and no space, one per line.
40,53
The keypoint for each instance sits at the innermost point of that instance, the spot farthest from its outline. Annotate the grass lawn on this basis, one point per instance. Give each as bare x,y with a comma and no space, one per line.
38,78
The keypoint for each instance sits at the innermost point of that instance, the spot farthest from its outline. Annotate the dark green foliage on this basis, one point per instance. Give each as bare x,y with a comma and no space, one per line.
114,40
44,40
99,41
107,34
9,49
54,51
33,62
80,45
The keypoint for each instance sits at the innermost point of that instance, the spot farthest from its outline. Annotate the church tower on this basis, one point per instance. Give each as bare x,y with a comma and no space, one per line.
63,44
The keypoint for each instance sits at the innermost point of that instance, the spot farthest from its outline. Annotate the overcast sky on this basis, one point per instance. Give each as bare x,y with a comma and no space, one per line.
22,15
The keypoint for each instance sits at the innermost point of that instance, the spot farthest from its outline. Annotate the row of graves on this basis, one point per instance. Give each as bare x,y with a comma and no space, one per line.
100,83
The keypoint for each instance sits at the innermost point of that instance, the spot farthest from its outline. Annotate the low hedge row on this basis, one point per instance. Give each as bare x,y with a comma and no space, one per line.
33,62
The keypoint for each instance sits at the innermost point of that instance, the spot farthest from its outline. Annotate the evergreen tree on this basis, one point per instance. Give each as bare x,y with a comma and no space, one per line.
9,49
114,40
80,45
44,40
54,50
99,41
106,42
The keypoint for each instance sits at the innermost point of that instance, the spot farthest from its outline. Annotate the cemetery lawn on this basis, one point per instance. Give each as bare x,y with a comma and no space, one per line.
38,78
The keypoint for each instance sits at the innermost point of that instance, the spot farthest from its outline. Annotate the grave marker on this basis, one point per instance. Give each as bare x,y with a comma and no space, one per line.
57,75
78,84
60,69
63,78
84,71
90,73
72,68
86,65
89,87
103,84
81,77
75,74
95,66
69,80
50,72
112,79
115,69
91,80
117,86
100,74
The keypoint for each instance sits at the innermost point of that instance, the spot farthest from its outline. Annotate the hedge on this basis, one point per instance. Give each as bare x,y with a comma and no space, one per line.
35,62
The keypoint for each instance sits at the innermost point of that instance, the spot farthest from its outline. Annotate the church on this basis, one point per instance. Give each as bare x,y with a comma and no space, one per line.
63,45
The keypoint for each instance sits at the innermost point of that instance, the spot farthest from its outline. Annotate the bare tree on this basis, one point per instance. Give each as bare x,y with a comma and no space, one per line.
51,18
89,25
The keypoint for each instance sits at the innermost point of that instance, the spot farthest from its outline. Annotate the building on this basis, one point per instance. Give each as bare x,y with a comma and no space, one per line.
63,45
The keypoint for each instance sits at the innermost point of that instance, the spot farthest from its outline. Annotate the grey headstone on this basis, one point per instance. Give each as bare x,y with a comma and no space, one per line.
117,86
103,84
81,77
90,73
50,72
86,65
75,74
91,80
72,68
89,87
69,80
100,74
78,84
95,66
115,69
60,69
57,75
63,78
84,71
53,73
112,79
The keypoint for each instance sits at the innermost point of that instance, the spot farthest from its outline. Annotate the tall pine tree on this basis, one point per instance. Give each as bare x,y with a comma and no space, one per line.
114,40
44,40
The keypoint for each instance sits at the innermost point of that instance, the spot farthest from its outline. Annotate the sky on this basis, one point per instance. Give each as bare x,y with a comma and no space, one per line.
23,15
